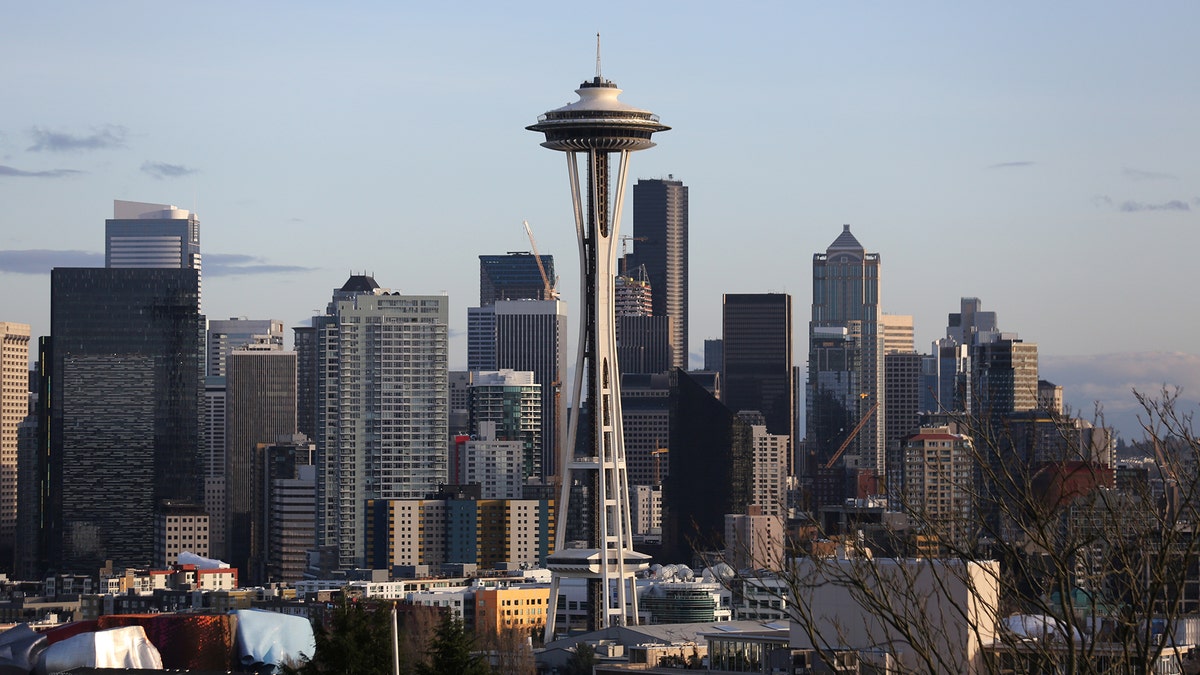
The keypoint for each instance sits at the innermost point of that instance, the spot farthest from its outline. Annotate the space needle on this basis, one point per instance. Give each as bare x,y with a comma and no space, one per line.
602,130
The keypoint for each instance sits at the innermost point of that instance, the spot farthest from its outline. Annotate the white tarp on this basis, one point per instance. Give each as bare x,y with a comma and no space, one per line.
201,563
126,647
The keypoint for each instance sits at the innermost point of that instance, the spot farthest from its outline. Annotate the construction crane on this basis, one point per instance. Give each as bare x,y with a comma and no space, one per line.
854,432
551,291
625,239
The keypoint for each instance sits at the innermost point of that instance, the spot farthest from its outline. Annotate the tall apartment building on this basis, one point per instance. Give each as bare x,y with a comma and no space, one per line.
515,276
769,488
757,366
124,394
660,225
14,407
494,464
511,403
845,361
261,408
382,406
526,335
937,487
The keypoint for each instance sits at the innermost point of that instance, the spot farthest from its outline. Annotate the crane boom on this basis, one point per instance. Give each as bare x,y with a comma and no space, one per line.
854,432
551,291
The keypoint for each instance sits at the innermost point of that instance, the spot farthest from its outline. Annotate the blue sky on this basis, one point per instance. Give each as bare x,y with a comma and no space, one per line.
1040,156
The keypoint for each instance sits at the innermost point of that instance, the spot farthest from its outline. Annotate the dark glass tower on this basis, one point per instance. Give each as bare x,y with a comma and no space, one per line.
125,387
757,361
660,228
513,277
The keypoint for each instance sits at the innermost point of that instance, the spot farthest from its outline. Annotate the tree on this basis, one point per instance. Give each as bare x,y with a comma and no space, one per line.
511,651
450,652
582,660
1022,541
357,638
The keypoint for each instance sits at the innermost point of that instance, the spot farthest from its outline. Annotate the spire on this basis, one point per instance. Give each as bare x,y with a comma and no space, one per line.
846,242
599,77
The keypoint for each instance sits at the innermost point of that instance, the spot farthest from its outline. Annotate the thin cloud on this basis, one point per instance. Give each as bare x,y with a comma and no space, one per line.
108,136
41,261
1173,205
1138,174
1011,165
234,264
162,170
21,173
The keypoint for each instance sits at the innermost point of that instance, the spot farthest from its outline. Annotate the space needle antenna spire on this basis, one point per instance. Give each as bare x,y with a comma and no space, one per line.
598,75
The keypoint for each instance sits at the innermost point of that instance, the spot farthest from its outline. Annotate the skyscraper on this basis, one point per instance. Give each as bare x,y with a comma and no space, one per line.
125,370
757,359
526,335
599,126
382,406
14,407
516,276
511,401
261,408
660,224
845,362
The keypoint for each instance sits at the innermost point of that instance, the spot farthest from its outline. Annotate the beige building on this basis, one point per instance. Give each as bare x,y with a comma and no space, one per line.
937,485
14,406
948,609
897,333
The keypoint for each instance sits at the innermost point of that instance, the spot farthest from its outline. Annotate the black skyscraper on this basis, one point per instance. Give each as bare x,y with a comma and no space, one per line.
757,372
125,387
515,276
660,226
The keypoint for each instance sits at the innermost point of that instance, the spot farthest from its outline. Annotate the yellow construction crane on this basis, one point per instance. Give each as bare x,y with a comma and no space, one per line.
551,290
857,428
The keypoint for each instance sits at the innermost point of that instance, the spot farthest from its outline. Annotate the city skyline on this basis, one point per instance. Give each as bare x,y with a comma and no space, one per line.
980,152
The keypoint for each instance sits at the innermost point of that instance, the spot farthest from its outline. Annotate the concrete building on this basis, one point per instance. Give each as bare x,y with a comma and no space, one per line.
845,380
179,528
757,367
226,335
509,402
521,608
526,335
898,334
261,409
496,464
14,408
382,406
770,482
953,606
483,532
135,336
645,511
937,488
660,228
754,540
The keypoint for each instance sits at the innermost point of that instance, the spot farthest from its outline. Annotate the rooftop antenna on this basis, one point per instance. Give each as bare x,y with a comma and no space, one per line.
598,76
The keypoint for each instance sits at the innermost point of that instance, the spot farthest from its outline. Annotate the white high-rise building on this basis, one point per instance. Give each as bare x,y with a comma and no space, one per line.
383,406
